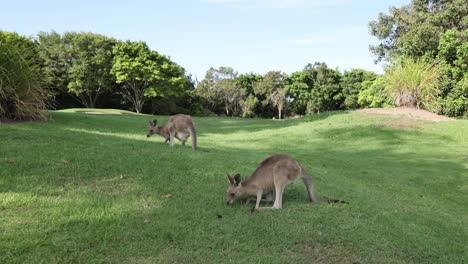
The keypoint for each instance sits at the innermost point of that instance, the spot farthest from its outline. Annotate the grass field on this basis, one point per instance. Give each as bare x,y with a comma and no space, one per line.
88,187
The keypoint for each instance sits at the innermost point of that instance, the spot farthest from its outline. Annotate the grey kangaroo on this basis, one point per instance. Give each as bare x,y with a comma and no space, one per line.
271,177
178,126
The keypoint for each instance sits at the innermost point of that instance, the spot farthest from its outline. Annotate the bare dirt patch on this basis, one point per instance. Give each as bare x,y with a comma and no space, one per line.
407,112
405,123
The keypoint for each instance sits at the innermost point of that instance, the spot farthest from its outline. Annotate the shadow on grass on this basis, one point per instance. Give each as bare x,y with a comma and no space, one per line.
83,163
235,125
385,135
133,123
330,157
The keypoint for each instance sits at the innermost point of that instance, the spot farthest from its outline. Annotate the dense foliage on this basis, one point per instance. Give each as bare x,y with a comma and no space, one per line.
92,70
314,89
142,73
413,83
89,72
98,71
424,43
22,94
435,31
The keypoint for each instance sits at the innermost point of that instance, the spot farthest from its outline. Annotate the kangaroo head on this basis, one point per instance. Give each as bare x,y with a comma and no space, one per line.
235,188
153,128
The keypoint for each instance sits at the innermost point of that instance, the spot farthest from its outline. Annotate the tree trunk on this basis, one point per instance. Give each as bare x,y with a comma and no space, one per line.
136,96
138,103
83,100
227,109
280,109
96,96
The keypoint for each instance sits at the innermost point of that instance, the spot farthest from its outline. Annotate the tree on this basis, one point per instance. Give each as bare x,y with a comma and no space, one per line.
246,81
372,94
271,89
453,61
249,102
232,95
207,90
278,99
89,73
415,29
135,70
143,73
248,106
326,93
299,91
437,31
56,61
351,83
220,89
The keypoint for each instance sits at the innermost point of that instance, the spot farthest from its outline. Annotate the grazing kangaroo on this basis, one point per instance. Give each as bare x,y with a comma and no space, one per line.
272,175
178,126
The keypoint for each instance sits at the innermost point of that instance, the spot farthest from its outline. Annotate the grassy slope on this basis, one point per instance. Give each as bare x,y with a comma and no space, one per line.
91,188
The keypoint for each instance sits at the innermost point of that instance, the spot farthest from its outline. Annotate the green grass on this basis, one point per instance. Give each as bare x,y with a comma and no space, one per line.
91,188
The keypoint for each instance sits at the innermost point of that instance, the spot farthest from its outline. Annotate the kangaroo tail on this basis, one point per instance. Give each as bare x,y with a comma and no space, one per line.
330,200
193,134
310,190
309,186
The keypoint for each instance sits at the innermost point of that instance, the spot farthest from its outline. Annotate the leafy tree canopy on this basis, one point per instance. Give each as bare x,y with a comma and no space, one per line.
415,29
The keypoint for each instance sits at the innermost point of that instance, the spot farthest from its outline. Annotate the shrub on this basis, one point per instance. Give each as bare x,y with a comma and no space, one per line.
373,94
22,95
414,83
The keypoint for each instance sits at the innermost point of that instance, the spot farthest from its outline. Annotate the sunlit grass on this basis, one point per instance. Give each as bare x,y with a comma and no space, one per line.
96,111
91,188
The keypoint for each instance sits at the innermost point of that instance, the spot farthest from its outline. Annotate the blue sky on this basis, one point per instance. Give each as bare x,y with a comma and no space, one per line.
247,35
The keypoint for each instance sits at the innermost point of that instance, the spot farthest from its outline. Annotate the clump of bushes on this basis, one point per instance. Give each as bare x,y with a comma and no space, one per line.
413,82
22,94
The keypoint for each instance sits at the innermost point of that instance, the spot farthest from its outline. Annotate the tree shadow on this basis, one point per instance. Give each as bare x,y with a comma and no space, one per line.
236,125
374,180
216,125
385,136
331,147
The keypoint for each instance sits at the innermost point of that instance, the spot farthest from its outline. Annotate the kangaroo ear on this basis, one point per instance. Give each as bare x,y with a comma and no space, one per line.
155,122
237,178
231,179
151,123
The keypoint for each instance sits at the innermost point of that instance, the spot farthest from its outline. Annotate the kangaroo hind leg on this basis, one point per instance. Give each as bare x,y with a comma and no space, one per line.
280,181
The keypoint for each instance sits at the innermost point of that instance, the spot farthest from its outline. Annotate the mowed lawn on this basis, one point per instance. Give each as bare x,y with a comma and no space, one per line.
90,188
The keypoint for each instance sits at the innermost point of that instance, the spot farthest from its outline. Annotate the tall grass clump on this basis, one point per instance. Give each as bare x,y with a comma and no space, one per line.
413,82
22,93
